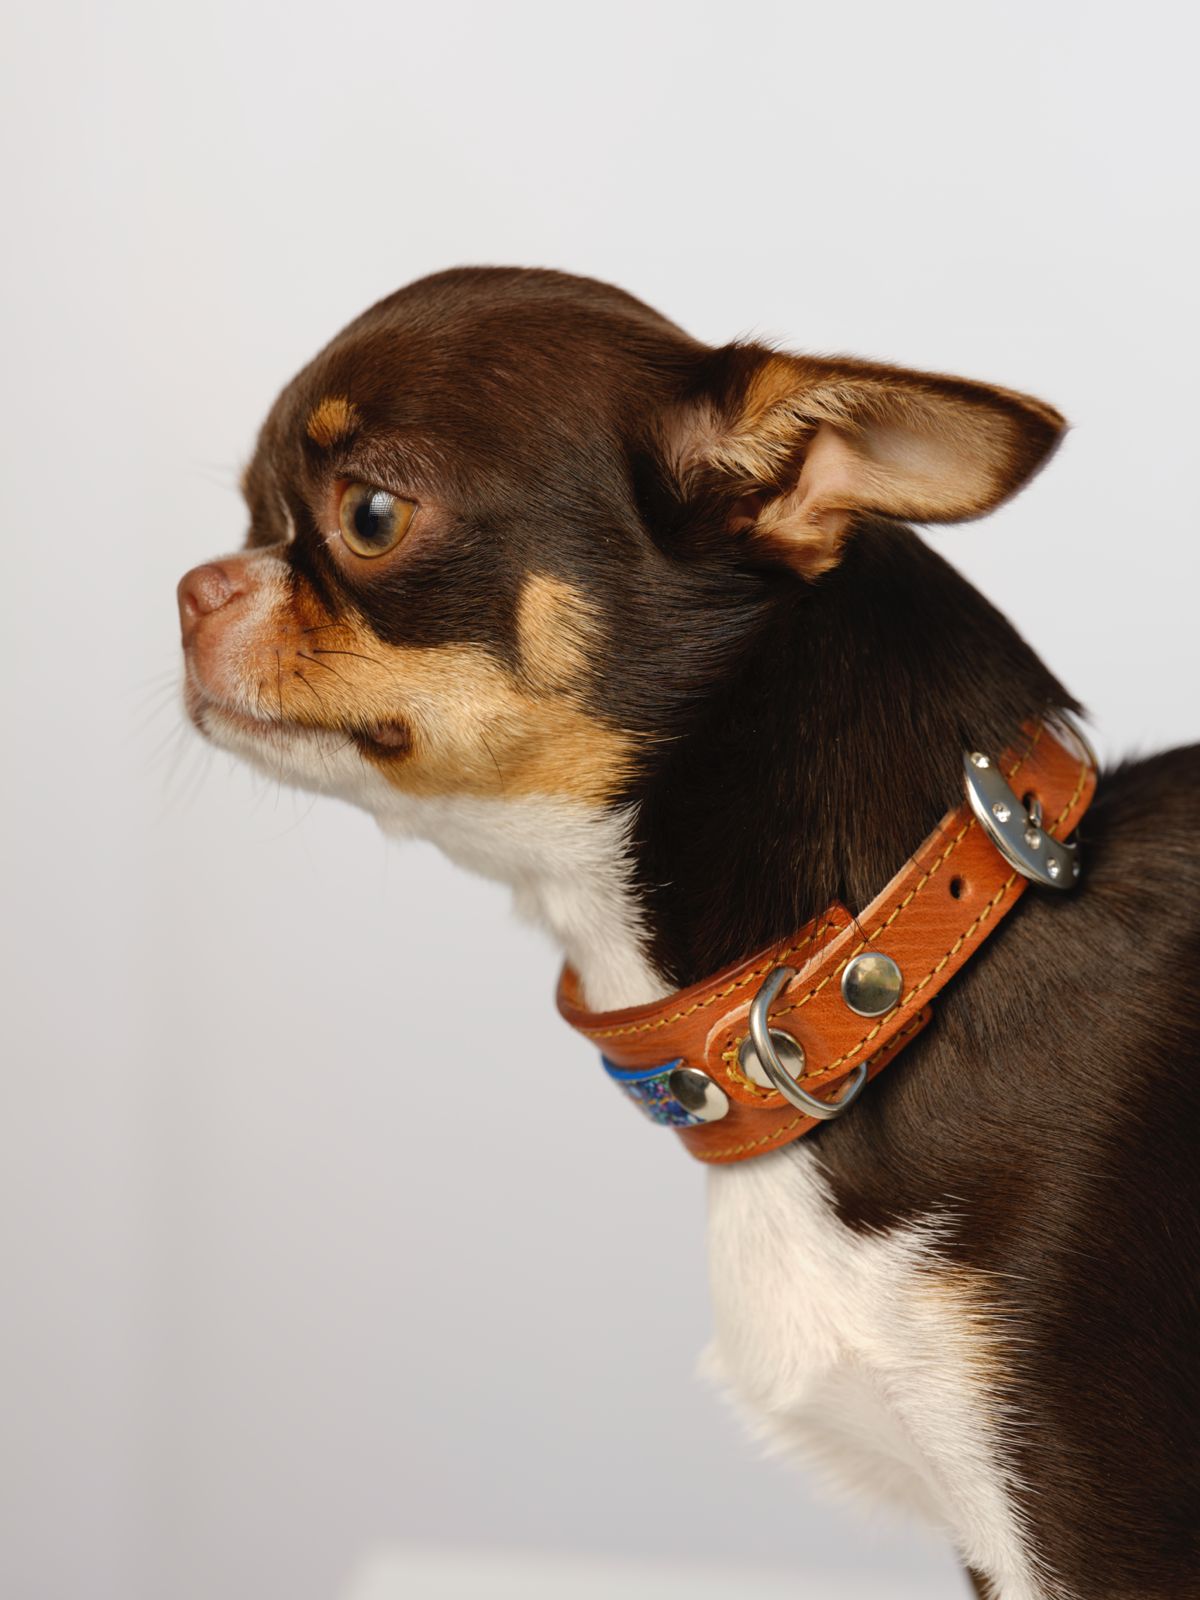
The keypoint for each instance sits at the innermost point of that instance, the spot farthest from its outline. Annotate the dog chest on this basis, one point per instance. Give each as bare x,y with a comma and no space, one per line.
870,1356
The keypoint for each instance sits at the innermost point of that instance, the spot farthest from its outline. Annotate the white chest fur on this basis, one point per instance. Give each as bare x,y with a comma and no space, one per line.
868,1356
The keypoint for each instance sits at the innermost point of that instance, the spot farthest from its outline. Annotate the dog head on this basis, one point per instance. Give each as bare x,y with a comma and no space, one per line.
510,527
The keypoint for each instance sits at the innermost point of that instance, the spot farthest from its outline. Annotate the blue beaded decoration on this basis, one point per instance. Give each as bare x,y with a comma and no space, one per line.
649,1089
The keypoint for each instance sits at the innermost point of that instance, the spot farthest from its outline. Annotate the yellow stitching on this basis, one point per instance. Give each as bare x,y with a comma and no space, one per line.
929,976
729,1055
753,1144
710,999
1084,770
821,1072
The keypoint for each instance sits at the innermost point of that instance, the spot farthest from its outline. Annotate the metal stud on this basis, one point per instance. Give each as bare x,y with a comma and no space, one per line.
1015,827
763,1047
790,1052
698,1094
871,984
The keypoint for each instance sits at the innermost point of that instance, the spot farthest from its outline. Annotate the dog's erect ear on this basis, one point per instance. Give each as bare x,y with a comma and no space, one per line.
791,447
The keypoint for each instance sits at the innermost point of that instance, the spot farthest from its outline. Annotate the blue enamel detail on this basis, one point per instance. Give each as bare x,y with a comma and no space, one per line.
648,1088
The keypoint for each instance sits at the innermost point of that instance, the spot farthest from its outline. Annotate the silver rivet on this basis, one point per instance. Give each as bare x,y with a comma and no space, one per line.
1077,868
697,1093
871,984
1014,825
979,761
790,1051
1053,867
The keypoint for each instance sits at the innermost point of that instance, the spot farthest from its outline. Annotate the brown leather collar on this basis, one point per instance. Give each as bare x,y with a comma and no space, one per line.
682,1058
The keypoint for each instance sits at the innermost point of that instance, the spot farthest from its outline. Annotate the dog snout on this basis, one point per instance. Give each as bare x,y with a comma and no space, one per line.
206,589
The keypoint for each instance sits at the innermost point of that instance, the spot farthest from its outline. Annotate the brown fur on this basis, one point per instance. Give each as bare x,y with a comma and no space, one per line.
812,442
443,719
648,573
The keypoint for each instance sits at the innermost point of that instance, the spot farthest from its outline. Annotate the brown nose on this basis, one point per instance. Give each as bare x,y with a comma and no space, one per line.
204,590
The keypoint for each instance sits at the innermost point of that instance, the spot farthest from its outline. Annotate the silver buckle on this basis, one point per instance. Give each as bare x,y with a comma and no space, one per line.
1016,830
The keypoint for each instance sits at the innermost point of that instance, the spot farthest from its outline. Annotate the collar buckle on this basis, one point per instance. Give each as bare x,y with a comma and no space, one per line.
1016,826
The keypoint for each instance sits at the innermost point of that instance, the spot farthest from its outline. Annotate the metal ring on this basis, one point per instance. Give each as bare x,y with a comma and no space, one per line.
764,1046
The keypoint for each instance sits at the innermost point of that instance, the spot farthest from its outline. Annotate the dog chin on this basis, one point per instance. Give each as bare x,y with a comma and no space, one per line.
314,759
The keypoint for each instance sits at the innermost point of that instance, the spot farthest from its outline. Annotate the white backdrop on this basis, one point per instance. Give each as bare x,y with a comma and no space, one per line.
253,1321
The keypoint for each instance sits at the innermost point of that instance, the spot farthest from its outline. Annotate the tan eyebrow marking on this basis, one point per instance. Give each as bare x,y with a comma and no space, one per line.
332,419
556,630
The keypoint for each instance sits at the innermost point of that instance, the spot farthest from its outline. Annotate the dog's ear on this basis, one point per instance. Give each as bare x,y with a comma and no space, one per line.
788,448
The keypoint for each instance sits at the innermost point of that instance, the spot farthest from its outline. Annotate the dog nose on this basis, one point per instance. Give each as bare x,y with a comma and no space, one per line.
204,590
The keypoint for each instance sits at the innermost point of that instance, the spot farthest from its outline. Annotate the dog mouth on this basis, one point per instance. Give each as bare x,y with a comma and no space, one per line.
385,740
209,713
213,714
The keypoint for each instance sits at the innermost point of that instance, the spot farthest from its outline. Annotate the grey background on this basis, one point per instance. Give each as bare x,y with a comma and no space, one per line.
256,1319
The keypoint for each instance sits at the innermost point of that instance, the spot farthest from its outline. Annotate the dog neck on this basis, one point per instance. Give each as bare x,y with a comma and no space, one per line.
571,870
830,754
808,775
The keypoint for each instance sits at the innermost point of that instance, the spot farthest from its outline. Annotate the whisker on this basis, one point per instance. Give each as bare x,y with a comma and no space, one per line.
152,696
297,822
324,665
188,765
321,751
170,743
168,702
279,746
356,654
192,784
492,753
156,683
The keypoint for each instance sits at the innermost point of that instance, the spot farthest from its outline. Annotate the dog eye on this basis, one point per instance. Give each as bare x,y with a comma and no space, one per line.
372,520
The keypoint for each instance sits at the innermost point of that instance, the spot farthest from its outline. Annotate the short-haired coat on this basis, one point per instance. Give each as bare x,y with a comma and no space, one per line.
636,625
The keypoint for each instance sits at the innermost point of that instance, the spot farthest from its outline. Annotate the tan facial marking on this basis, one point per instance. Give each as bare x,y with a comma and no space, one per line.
477,731
556,629
440,720
333,419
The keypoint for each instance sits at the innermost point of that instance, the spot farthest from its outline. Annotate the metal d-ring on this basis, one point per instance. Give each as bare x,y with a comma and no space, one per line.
765,1037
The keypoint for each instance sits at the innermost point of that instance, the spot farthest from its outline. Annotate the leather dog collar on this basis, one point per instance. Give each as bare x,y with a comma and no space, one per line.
761,1053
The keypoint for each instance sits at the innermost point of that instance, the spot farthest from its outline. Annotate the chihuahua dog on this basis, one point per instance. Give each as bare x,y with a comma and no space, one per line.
636,626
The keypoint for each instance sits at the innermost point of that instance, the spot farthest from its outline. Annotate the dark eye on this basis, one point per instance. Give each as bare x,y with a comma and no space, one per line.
372,520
